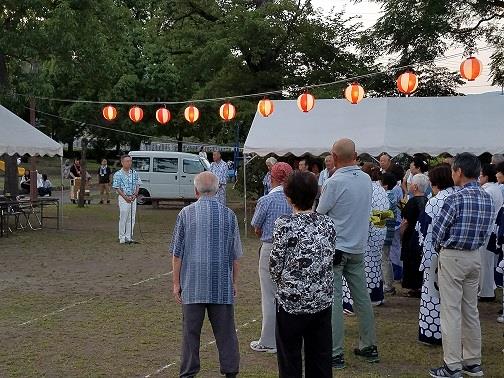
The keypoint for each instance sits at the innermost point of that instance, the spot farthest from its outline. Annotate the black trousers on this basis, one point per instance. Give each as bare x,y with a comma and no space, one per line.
316,332
221,318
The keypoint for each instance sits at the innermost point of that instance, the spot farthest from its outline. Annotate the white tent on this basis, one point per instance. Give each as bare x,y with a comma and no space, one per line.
18,136
416,124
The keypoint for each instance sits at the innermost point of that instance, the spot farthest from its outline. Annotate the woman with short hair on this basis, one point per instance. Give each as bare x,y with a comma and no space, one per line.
301,265
429,330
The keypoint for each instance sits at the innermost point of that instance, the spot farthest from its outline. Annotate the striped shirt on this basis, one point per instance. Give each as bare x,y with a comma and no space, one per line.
207,240
465,220
220,170
127,182
269,208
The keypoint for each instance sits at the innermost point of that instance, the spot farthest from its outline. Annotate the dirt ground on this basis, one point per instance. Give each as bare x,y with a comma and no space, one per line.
75,303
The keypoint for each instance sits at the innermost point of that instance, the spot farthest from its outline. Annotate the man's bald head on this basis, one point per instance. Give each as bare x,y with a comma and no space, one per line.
343,152
206,184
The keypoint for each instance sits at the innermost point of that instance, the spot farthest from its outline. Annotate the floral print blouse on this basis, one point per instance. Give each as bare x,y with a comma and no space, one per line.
301,262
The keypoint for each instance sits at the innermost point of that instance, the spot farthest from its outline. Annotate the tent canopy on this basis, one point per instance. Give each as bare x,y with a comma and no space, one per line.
432,125
19,137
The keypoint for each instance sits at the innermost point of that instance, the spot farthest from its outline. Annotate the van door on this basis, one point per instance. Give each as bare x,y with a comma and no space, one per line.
142,165
190,168
164,177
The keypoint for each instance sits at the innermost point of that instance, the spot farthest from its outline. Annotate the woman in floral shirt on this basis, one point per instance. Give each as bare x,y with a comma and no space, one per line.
301,265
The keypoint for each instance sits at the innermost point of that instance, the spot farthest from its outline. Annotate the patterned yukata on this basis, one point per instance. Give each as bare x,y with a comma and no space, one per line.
220,170
372,254
429,323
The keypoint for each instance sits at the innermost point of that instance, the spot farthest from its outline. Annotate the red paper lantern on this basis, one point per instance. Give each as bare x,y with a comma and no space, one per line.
407,82
471,68
109,113
265,107
227,111
354,93
136,114
191,114
306,102
163,116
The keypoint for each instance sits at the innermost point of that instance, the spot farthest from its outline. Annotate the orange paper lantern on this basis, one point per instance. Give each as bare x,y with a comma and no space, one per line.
354,93
471,68
191,114
109,113
265,107
306,102
227,111
163,116
407,82
136,114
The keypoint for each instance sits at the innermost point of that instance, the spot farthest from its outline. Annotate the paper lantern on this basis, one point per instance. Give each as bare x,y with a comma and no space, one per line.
265,107
471,68
109,113
407,82
163,116
191,114
306,102
136,114
354,93
227,111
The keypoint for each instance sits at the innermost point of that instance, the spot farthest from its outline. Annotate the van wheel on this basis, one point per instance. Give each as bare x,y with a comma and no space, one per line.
143,197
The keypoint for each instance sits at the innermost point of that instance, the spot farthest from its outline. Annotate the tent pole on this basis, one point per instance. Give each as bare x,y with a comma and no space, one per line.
245,192
61,193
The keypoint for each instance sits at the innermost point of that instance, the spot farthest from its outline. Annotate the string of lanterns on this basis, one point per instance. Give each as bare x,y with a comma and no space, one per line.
407,83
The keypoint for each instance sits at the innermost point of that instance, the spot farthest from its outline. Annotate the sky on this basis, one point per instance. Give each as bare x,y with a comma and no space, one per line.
370,11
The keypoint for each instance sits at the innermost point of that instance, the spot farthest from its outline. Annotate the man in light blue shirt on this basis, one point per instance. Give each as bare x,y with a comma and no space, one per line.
206,247
220,169
346,198
269,208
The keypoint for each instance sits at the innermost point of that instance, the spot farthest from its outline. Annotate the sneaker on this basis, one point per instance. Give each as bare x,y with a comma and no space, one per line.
473,370
101,202
108,201
500,319
123,242
389,290
133,241
377,303
255,346
370,353
445,372
338,362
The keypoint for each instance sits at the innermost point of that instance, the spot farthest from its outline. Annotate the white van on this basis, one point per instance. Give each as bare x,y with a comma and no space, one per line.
167,175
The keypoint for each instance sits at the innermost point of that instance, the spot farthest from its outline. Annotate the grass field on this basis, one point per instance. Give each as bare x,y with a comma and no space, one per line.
75,303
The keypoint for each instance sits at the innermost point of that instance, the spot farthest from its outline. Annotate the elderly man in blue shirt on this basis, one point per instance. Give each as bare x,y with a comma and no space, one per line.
127,183
220,169
346,198
269,208
462,227
206,247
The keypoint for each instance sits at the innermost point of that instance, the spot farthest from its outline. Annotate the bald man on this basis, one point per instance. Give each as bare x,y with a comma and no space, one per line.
346,198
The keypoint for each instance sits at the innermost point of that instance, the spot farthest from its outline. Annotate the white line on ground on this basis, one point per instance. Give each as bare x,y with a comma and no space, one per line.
163,368
88,300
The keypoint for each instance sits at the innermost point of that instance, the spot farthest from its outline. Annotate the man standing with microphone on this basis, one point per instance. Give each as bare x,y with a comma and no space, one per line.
127,184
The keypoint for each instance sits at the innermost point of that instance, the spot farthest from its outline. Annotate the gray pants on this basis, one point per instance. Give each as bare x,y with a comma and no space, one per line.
223,326
268,291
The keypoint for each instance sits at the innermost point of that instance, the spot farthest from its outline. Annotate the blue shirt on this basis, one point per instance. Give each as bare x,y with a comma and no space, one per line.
269,208
220,170
267,183
465,220
346,198
126,182
207,240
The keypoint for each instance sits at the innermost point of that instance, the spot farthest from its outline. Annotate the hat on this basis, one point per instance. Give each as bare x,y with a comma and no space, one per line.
280,172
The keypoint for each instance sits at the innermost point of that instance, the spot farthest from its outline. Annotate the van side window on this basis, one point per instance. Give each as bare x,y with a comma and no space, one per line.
165,165
141,164
193,167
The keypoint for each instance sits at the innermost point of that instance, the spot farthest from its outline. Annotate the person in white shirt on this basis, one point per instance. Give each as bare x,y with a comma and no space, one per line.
488,182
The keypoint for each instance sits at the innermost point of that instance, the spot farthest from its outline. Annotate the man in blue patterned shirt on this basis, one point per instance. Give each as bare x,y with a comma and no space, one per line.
127,184
463,225
220,169
269,208
206,247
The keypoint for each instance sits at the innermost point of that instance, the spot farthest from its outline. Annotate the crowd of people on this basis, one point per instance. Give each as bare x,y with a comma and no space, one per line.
336,243
44,185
